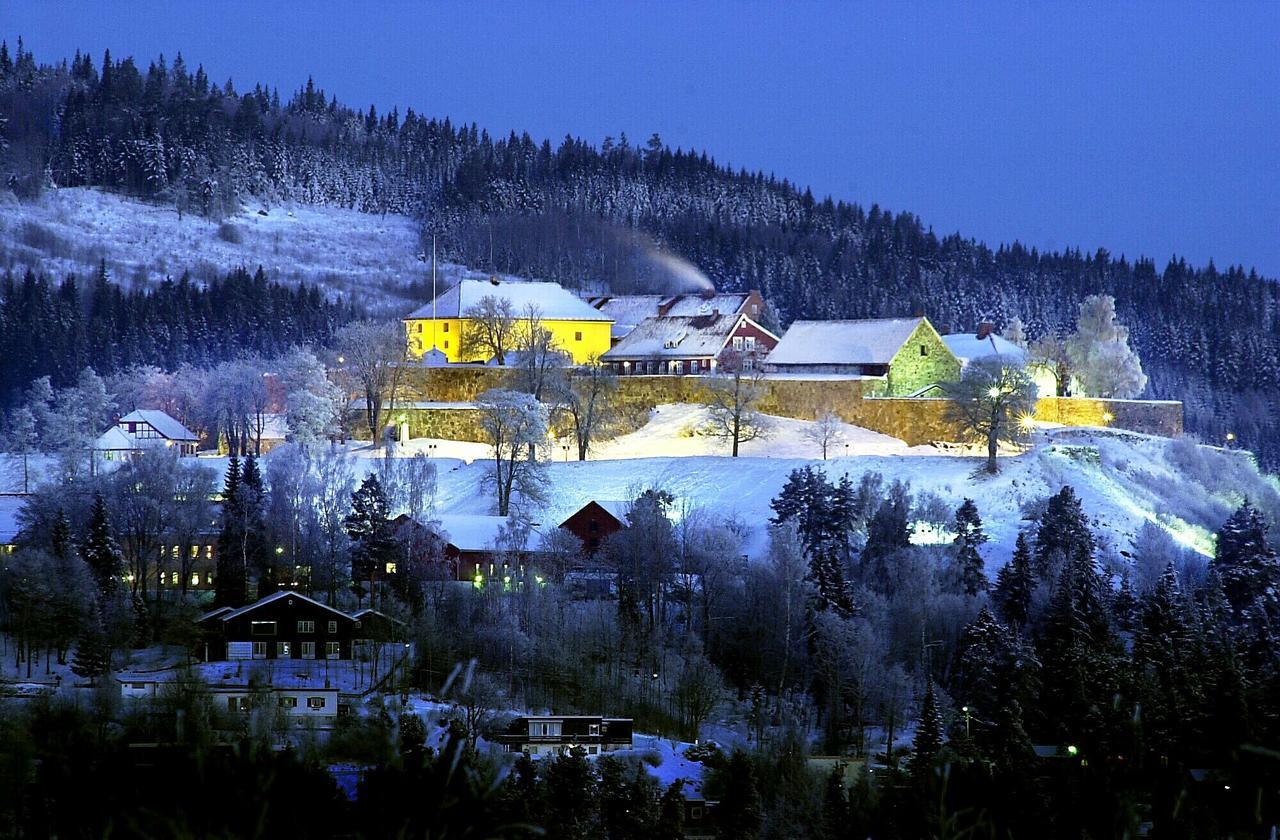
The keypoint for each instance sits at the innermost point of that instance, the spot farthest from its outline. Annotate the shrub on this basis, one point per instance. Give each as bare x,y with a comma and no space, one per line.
228,232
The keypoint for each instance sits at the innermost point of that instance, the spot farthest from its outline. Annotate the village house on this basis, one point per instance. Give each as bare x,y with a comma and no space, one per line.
300,704
898,356
285,625
538,735
487,549
690,344
595,521
627,311
577,329
987,343
141,430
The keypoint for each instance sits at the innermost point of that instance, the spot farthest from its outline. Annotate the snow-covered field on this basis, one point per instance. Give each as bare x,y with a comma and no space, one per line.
359,255
1124,479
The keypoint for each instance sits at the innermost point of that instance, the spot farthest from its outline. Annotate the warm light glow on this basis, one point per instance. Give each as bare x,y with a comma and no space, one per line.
1026,421
279,549
342,360
1072,750
993,392
1231,436
1107,417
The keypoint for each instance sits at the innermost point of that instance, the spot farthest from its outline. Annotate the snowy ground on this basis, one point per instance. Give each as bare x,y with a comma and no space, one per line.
1125,479
359,255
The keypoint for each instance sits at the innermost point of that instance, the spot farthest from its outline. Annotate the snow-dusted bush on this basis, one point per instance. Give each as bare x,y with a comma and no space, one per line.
228,232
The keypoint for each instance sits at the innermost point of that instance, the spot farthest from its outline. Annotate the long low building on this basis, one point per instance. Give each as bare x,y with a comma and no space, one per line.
690,344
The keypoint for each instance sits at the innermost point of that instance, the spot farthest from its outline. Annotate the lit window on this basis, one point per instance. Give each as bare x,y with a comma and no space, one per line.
315,702
195,578
283,650
173,578
306,627
391,568
288,702
262,628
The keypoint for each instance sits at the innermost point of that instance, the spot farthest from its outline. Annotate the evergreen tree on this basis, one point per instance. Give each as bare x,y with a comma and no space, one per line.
1161,654
571,800
1245,563
927,744
231,585
101,552
835,807
1125,604
741,811
368,525
1063,536
93,655
1014,584
969,536
671,812
257,555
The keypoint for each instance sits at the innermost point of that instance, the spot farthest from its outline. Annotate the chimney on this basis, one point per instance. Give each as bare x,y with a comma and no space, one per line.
985,329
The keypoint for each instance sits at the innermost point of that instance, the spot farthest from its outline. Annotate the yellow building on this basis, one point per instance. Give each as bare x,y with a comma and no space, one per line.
576,327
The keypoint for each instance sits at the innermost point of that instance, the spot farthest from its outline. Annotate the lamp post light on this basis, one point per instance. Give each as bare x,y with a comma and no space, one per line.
968,713
565,447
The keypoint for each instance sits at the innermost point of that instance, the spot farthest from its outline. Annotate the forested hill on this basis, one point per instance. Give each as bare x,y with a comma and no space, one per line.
579,213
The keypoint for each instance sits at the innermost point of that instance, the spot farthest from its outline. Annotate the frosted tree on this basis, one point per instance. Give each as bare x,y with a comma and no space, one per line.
1050,353
991,402
1101,358
313,404
21,438
373,353
516,427
539,354
825,432
1015,332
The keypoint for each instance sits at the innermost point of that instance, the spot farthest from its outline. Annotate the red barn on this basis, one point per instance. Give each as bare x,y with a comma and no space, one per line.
595,521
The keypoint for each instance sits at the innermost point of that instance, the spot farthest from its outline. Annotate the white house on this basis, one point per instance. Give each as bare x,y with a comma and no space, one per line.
143,429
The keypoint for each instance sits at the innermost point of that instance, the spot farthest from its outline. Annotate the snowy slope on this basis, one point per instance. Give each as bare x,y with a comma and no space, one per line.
359,255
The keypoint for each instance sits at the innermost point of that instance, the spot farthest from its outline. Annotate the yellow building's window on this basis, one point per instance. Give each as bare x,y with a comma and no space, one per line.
577,336
446,328
419,326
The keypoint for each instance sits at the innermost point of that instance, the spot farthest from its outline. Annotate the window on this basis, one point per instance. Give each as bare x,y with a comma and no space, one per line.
173,579
924,351
577,336
208,578
259,650
333,627
446,329
262,628
195,578
332,650
306,627
419,326
308,650
750,341
315,702
446,344
391,568
137,685
288,702
237,704
695,813
737,342
593,729
283,650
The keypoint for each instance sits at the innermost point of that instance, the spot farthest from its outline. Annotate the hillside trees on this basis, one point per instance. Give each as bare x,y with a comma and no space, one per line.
588,394
1101,357
374,353
733,396
516,426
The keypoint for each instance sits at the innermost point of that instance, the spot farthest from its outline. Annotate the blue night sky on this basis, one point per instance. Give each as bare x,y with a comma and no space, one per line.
1153,129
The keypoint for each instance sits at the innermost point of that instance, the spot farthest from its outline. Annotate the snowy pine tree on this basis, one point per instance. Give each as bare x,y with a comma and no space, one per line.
1245,563
101,552
969,537
1014,584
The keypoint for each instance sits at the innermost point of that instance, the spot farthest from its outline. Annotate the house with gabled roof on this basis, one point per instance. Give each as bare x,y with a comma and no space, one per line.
143,429
595,521
690,344
898,356
577,329
283,625
627,311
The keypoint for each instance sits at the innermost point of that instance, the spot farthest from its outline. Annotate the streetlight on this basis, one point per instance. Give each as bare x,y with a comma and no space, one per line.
968,713
565,447
993,392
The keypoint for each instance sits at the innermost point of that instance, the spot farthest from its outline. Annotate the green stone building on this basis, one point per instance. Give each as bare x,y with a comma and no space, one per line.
898,357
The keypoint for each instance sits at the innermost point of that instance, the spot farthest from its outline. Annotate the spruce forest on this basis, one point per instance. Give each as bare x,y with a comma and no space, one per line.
583,214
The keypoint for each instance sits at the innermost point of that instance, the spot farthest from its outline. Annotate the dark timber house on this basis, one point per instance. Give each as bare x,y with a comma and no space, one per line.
286,625
537,735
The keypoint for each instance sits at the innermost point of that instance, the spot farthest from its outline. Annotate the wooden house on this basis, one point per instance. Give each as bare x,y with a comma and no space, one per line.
285,625
538,735
595,521
690,345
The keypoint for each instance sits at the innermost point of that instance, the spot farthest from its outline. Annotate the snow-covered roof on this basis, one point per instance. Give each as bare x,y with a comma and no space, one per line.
276,596
469,532
627,311
867,342
160,421
677,337
968,347
553,301
116,439
616,508
9,507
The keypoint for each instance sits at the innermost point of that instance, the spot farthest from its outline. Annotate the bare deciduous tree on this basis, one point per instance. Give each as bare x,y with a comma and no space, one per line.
991,403
540,356
735,392
374,353
490,333
589,397
825,432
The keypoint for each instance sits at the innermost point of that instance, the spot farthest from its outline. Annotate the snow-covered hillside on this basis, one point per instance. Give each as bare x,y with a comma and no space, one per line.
360,255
